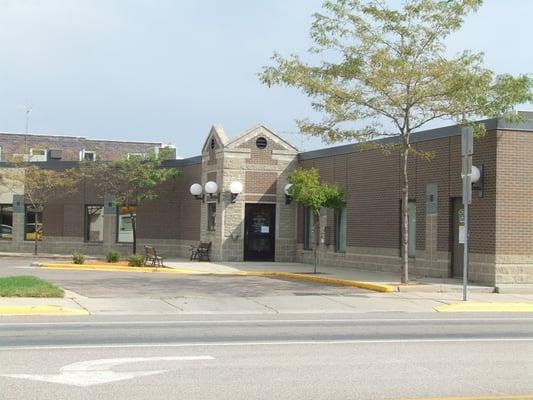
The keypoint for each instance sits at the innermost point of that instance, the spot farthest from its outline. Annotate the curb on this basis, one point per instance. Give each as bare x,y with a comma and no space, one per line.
41,310
334,281
89,267
377,287
485,307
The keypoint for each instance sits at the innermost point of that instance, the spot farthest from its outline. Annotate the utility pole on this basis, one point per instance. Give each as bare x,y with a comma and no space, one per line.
467,146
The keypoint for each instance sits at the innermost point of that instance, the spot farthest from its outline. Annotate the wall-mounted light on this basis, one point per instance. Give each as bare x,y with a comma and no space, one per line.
288,197
196,190
235,188
211,188
477,179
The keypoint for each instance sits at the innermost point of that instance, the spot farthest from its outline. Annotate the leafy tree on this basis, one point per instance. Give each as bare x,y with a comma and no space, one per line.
40,186
131,181
308,190
386,66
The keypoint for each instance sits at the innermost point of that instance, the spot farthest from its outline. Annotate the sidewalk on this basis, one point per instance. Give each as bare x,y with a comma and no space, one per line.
417,284
358,303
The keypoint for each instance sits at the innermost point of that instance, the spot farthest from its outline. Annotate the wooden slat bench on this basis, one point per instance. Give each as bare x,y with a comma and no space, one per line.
150,255
201,252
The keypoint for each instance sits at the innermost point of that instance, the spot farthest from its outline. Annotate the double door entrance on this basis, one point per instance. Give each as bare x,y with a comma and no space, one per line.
260,232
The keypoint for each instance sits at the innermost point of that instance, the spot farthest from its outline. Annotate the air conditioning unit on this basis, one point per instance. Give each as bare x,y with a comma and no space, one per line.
55,154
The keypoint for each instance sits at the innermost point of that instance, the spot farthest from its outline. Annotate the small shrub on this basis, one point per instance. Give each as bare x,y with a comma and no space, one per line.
136,260
112,256
78,258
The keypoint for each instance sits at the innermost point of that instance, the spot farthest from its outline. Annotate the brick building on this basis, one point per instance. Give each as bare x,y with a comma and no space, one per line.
260,224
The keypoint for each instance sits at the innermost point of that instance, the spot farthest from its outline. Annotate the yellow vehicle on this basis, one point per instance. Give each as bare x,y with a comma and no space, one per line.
30,231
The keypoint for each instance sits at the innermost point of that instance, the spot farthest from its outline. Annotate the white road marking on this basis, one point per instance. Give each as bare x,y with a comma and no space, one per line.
97,372
281,343
260,321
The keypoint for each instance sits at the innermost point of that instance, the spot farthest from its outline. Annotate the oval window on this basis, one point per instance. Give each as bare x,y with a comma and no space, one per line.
212,143
261,143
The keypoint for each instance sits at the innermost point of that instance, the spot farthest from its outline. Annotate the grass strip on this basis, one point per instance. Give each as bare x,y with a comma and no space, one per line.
28,286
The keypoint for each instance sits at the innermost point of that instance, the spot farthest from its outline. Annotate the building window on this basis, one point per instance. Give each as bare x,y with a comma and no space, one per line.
38,154
33,230
308,228
340,231
94,223
125,224
411,229
6,221
87,155
211,216
136,155
261,143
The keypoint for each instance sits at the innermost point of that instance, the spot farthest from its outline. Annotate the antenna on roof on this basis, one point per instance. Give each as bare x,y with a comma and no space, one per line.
28,110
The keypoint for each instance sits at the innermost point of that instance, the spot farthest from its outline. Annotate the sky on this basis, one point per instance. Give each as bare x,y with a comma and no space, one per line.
166,70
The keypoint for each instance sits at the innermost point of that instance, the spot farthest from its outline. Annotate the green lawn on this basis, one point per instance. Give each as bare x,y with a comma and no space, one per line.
28,286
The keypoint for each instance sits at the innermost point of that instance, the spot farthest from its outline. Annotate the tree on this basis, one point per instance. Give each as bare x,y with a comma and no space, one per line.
40,186
382,64
308,190
131,181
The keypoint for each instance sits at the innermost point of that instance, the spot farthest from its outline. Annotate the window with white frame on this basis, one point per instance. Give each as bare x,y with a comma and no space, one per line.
87,155
136,155
38,154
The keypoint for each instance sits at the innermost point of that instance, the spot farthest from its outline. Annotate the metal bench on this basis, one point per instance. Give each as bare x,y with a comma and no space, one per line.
201,252
150,255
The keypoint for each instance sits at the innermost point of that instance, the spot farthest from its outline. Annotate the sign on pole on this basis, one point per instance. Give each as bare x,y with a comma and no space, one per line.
467,147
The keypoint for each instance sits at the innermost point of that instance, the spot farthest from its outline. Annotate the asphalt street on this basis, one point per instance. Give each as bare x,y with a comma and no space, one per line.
298,357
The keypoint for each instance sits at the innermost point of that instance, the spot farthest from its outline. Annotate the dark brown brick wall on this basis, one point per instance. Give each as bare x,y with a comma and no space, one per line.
514,227
372,184
175,216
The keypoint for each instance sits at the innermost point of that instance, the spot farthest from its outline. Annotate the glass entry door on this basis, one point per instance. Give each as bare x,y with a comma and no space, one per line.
260,232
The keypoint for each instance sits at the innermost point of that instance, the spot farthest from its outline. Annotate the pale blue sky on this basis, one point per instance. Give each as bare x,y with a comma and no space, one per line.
167,69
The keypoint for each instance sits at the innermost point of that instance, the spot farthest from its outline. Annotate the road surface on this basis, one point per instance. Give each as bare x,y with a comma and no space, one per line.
309,356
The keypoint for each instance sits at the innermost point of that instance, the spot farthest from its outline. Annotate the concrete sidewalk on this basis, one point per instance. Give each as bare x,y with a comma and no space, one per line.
359,303
417,284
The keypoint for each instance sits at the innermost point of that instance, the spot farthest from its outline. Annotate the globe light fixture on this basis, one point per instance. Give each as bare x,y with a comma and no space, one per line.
196,190
211,188
288,197
476,174
476,177
235,188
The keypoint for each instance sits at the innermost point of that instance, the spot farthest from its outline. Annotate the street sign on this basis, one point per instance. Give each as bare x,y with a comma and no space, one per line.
467,149
467,141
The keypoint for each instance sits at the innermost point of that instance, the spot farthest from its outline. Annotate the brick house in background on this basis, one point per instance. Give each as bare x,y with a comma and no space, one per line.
260,223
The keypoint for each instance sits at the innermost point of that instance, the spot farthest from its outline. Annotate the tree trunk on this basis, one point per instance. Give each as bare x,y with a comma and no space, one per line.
36,220
134,231
316,247
405,219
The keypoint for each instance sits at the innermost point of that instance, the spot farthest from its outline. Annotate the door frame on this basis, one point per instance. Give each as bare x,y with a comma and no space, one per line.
273,228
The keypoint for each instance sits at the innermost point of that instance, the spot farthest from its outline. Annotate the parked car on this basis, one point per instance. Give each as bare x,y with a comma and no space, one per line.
30,231
6,232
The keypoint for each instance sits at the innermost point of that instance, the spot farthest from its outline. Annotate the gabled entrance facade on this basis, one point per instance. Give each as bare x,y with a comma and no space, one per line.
248,226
